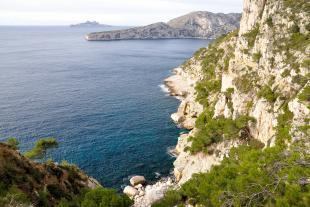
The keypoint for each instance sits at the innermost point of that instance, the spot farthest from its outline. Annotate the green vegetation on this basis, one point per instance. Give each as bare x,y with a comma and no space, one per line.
24,182
12,142
267,93
40,147
244,83
305,94
306,63
213,130
210,60
300,80
12,196
228,94
205,87
249,105
251,36
284,126
285,73
249,177
100,197
269,22
257,56
297,5
305,129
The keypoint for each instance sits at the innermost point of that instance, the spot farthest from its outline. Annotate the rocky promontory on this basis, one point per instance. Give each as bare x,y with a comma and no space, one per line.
200,24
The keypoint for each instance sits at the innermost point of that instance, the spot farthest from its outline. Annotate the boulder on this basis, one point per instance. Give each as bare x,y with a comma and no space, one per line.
136,180
130,191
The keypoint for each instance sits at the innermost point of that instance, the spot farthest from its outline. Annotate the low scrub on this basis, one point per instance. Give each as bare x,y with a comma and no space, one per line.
267,93
214,130
305,94
249,177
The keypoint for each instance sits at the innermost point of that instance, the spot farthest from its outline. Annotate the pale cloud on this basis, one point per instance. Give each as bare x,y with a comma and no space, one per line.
117,12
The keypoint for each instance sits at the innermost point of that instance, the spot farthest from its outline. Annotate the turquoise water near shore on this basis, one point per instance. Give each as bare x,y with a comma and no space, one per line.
101,100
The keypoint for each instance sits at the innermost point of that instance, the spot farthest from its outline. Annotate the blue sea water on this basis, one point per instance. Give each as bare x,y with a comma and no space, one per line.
101,100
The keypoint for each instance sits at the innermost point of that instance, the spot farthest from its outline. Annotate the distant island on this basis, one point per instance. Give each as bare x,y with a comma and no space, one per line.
90,24
201,24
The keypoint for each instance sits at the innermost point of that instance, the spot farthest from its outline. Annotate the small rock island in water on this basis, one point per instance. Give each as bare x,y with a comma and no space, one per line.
90,24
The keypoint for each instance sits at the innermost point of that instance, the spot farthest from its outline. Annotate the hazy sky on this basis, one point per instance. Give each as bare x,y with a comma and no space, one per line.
115,12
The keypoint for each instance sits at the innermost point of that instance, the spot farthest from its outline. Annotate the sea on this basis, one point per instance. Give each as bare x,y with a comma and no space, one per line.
103,101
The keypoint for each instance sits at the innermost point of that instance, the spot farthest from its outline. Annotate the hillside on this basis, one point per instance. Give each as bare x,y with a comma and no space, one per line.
27,183
193,25
246,100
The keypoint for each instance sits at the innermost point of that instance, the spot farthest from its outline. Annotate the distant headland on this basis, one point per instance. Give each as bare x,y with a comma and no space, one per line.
200,24
90,24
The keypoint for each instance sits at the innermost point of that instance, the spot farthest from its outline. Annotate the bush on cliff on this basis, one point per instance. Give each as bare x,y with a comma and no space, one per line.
267,93
41,146
250,177
305,95
12,142
98,197
213,130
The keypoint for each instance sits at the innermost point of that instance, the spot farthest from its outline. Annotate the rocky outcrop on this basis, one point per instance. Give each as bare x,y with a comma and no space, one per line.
136,180
193,25
152,193
182,86
33,179
130,191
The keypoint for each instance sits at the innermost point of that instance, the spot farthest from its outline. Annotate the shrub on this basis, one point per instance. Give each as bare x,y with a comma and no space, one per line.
306,63
244,83
205,87
285,73
284,126
249,176
305,94
56,191
171,198
213,130
251,36
257,56
269,22
40,147
295,29
105,197
12,196
229,92
300,80
267,93
13,143
73,170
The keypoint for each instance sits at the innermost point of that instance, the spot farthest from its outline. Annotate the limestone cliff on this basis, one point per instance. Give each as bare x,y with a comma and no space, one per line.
260,71
193,25
266,66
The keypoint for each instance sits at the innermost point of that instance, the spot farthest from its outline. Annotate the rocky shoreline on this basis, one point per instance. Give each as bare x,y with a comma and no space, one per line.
182,86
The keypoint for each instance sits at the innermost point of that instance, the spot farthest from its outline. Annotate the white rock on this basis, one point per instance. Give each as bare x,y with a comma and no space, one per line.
139,186
136,180
130,191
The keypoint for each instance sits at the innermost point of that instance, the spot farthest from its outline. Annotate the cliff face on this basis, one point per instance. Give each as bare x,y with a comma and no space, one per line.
262,72
193,25
265,67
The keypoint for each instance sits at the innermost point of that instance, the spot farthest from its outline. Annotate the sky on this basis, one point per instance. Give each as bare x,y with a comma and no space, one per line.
113,12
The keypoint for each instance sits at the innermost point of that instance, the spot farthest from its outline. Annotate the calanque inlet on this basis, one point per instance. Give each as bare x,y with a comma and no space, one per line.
245,100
